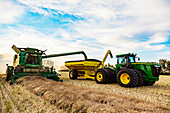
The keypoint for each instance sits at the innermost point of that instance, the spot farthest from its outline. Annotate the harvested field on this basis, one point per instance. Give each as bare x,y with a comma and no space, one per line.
159,93
73,98
2,75
16,99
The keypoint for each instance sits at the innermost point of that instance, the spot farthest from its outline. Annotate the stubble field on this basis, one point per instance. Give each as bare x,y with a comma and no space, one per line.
37,94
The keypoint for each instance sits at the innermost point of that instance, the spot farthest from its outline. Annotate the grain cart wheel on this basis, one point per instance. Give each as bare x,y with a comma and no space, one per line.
73,74
101,76
140,77
127,78
112,77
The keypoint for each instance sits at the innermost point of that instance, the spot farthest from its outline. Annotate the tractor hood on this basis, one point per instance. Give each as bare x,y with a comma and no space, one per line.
144,63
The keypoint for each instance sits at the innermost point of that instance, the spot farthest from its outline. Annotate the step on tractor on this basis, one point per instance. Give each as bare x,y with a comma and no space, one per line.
128,72
28,62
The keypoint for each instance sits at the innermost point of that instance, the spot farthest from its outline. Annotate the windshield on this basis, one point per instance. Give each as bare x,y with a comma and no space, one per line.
123,60
33,59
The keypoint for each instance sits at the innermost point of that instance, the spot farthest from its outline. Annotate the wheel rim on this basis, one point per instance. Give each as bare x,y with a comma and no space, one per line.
71,74
125,78
99,76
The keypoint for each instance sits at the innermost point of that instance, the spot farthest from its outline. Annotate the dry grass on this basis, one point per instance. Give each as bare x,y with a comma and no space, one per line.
16,99
2,75
80,99
159,93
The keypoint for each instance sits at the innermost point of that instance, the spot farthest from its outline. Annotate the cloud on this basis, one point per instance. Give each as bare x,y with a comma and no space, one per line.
9,12
158,38
104,24
109,24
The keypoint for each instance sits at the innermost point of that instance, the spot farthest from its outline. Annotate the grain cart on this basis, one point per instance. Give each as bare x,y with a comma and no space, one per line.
28,62
85,68
129,73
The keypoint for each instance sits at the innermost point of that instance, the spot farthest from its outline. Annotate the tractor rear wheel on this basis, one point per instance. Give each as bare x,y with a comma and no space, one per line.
73,74
152,83
140,77
127,77
112,77
101,76
148,83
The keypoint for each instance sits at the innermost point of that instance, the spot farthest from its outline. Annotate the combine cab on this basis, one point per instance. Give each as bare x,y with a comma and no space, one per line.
28,62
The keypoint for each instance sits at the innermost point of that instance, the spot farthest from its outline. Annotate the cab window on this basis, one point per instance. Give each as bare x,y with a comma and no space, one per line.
131,59
121,60
32,59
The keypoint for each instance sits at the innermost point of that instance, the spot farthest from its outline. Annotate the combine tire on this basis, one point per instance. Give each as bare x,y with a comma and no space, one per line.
8,76
127,77
112,77
140,77
101,76
73,74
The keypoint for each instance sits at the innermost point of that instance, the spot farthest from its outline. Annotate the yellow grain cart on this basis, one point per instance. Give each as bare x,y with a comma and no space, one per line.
85,68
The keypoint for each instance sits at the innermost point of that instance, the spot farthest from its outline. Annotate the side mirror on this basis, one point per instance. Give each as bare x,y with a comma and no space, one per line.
138,59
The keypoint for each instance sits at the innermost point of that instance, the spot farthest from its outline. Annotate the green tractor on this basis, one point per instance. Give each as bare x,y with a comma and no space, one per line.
129,73
28,62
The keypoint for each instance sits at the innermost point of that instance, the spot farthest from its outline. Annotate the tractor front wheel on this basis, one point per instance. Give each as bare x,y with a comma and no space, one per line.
112,77
73,74
127,77
140,77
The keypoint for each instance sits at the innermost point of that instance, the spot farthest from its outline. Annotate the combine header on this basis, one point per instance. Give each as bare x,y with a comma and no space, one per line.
28,62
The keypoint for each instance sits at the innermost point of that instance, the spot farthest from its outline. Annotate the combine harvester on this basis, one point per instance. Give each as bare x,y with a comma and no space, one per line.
28,62
128,72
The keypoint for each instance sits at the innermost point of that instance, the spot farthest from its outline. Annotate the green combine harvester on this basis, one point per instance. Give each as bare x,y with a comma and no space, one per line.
28,62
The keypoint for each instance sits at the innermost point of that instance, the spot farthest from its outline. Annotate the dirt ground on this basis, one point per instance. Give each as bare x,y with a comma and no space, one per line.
41,95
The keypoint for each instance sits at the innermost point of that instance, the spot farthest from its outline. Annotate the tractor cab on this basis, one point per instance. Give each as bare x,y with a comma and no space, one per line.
124,60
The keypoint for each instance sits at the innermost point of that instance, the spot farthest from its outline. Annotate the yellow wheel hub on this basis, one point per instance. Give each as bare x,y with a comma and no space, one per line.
71,74
125,78
99,76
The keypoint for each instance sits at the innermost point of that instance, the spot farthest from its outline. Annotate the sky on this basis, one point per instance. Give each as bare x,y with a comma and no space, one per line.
93,26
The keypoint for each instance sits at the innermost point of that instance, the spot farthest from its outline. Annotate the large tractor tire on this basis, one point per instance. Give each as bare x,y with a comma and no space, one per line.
140,77
112,77
73,74
148,83
127,77
101,76
9,73
8,76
